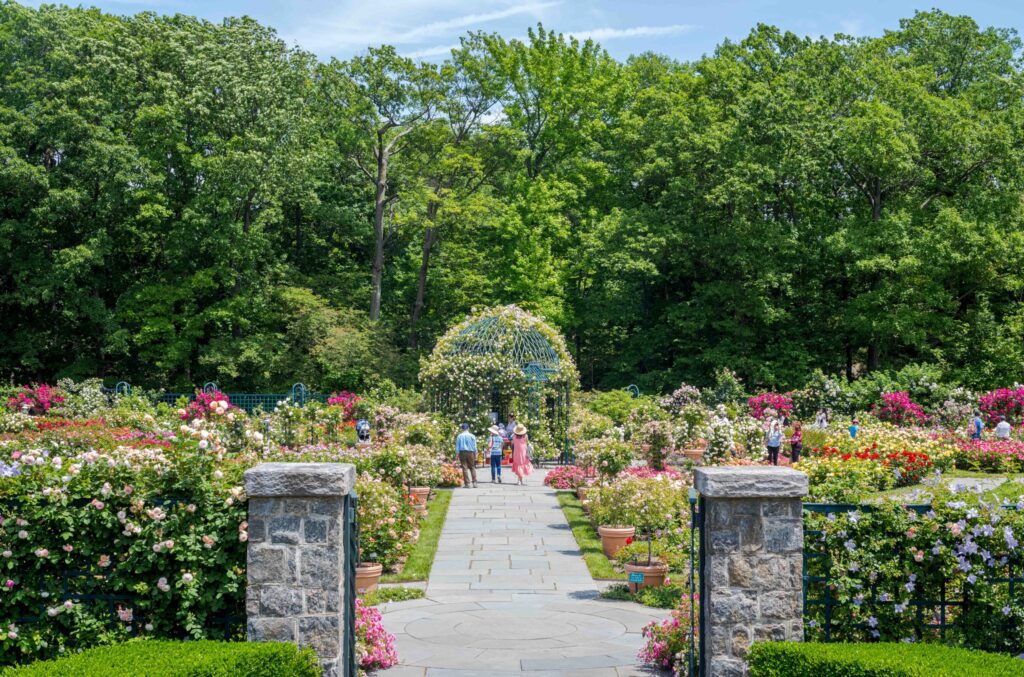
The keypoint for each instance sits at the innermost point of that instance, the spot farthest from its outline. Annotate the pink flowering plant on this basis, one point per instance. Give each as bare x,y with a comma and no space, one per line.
206,405
567,477
888,565
346,401
36,399
1008,402
897,408
996,456
387,526
780,403
666,644
375,646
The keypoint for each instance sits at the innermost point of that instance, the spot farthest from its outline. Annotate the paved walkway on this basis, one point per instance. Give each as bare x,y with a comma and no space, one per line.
510,594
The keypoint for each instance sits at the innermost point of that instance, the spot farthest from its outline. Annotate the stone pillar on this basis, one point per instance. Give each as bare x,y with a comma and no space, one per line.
751,561
296,556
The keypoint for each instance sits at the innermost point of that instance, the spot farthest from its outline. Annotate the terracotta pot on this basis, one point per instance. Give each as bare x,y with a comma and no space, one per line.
695,454
613,538
654,575
367,577
419,495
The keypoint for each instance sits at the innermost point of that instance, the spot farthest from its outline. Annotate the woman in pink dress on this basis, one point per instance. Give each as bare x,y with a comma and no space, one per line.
521,465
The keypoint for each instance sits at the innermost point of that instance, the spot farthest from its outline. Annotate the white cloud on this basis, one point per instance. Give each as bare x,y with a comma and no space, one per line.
604,34
469,21
356,24
439,50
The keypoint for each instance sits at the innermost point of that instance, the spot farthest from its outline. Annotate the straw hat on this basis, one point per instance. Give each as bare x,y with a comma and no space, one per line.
520,429
494,430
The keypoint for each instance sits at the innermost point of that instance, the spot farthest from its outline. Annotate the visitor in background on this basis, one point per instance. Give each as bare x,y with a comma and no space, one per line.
977,425
496,442
854,427
1003,429
521,454
796,442
821,420
465,447
773,439
510,427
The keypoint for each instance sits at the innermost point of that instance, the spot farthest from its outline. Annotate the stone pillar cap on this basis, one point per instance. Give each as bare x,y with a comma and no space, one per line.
750,482
300,479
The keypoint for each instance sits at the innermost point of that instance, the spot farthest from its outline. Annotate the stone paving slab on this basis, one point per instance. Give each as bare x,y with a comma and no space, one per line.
509,594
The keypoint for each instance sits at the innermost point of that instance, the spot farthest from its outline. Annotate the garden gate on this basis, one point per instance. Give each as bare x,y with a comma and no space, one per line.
695,654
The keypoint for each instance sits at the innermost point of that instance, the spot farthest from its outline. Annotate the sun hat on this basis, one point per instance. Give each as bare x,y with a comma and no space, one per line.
494,430
520,429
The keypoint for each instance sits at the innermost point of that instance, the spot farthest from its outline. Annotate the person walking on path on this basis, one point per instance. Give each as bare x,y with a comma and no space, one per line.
496,442
977,425
521,465
796,442
1002,429
773,439
465,447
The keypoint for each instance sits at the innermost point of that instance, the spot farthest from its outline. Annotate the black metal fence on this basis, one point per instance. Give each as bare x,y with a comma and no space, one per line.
249,402
350,542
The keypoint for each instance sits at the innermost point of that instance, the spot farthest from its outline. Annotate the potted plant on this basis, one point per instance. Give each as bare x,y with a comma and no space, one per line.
387,528
664,508
613,517
422,472
367,577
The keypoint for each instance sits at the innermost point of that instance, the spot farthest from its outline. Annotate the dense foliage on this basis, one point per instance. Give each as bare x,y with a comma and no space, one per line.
180,659
183,201
790,659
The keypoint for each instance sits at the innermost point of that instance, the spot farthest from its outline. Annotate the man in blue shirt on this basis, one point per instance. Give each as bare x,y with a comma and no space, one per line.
978,424
465,447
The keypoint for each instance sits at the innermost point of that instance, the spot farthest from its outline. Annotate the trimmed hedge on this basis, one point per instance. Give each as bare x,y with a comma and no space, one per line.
796,659
179,659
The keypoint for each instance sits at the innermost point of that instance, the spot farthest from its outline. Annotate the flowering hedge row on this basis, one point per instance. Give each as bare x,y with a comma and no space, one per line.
887,567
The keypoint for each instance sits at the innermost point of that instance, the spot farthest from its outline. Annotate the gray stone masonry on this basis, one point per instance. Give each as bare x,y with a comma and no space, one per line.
753,558
296,557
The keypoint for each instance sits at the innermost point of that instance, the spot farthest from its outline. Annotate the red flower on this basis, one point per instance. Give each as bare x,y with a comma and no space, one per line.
629,540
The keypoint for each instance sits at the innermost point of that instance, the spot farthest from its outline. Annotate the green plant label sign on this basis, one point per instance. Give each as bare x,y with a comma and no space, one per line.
636,577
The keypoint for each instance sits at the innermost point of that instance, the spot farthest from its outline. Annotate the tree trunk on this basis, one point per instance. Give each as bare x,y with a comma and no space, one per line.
429,238
378,231
872,357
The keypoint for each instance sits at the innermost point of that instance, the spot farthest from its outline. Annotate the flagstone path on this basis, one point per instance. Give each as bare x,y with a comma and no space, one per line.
509,594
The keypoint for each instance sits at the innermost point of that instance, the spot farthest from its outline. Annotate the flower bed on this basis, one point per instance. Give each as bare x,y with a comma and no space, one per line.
998,456
132,522
842,476
567,477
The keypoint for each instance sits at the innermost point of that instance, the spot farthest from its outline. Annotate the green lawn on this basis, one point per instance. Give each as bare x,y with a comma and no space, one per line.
586,537
384,595
1009,491
417,567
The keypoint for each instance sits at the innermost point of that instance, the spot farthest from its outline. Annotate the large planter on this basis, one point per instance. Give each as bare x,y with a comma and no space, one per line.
418,497
367,577
694,454
653,573
613,538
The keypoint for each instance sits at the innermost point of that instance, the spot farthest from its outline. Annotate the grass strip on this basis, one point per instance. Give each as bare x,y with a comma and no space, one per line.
417,567
384,595
587,539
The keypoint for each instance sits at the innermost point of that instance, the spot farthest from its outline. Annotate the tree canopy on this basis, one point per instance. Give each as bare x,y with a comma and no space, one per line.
183,201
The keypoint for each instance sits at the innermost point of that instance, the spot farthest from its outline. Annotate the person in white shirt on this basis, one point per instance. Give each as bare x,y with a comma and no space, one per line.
1002,429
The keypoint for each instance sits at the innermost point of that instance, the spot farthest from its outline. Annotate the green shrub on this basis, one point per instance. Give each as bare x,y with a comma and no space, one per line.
789,659
179,659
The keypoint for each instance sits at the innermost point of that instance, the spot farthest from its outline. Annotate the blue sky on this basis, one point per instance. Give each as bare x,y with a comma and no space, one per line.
684,30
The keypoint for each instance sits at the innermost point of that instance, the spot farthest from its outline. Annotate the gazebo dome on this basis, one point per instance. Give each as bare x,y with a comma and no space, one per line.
525,344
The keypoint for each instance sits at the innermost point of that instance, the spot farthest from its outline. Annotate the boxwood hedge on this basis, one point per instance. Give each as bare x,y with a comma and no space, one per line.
794,659
178,659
